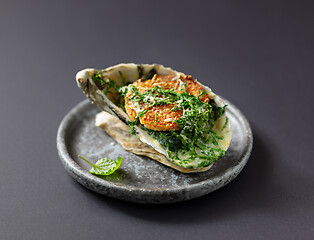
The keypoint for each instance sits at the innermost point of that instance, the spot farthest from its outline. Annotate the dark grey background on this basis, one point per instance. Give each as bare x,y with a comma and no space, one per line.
257,54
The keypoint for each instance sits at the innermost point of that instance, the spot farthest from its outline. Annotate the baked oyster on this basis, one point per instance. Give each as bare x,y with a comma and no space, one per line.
179,120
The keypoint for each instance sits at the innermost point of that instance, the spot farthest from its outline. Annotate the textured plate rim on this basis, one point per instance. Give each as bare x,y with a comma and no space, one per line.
83,176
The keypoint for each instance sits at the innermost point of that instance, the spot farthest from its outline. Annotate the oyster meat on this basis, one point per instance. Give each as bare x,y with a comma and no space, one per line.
177,120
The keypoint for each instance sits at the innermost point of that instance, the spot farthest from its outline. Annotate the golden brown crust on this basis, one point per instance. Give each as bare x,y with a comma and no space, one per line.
161,118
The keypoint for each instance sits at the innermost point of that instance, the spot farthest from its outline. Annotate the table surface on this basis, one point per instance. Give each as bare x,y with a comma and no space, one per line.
258,55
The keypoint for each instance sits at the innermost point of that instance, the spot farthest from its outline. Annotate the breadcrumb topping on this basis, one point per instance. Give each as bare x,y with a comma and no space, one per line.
162,117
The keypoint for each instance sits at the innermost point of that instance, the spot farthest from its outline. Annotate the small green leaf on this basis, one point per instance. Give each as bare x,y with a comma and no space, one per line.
104,166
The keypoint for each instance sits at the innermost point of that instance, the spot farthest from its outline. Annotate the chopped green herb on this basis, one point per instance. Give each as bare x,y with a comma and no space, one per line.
217,111
155,119
122,78
140,71
109,86
131,125
98,79
226,122
104,166
150,74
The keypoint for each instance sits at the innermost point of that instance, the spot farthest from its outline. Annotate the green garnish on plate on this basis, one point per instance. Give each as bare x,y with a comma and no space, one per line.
104,166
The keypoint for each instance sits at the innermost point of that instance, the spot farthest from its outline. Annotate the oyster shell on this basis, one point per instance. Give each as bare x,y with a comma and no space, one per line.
130,73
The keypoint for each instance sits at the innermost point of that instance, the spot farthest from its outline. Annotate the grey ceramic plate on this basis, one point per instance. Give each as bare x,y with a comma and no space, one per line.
140,179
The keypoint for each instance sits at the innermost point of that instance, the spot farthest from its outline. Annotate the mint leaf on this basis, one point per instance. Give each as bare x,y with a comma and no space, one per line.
104,166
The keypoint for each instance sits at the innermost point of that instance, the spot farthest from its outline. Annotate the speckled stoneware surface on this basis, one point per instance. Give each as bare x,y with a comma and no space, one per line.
140,179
